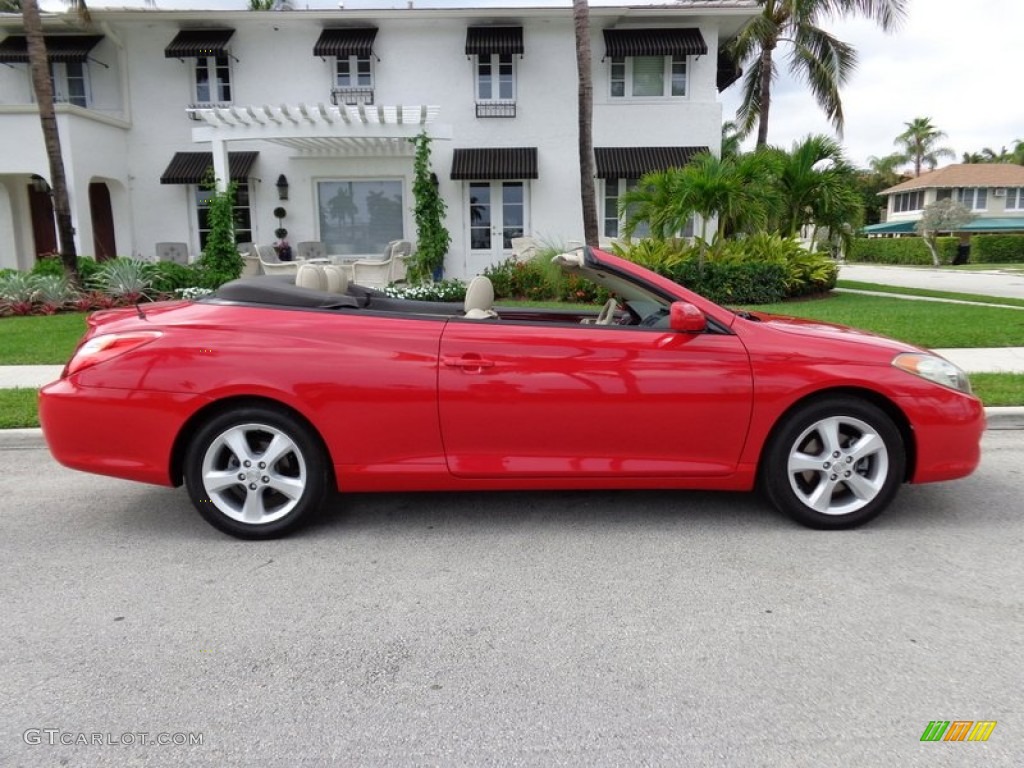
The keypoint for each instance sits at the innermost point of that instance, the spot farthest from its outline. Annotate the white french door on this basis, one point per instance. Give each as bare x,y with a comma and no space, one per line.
497,212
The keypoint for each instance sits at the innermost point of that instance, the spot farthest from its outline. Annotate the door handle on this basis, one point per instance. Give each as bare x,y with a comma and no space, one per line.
467,362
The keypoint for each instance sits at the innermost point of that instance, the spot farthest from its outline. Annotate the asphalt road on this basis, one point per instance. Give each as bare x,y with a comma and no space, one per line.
675,629
993,283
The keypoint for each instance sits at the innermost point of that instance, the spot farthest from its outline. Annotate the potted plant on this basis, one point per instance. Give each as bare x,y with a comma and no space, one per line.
283,249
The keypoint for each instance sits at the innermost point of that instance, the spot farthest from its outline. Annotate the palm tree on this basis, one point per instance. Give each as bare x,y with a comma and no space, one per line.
818,187
42,85
886,168
1017,156
972,158
817,57
588,195
732,138
736,190
919,141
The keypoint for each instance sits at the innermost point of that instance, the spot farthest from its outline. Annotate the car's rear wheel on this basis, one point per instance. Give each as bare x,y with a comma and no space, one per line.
835,463
255,472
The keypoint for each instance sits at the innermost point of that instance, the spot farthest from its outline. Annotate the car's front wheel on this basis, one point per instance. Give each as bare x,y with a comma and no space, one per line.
835,463
255,472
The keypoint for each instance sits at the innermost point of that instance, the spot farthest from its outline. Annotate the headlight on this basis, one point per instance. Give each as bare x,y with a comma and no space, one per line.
934,369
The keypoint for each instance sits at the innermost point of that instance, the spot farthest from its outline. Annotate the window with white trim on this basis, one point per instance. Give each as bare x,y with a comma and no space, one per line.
653,77
908,201
70,81
243,215
1015,198
353,80
213,80
495,83
975,198
611,223
360,215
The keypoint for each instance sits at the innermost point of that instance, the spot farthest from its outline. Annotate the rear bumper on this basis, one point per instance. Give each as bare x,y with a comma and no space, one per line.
117,432
947,434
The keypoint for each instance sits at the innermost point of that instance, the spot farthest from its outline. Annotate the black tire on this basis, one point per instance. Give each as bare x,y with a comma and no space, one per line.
265,499
855,462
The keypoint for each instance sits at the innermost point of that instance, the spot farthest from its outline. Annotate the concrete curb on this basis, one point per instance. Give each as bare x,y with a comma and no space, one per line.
998,418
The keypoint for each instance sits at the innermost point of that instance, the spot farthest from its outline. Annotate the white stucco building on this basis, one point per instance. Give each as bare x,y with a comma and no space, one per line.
324,102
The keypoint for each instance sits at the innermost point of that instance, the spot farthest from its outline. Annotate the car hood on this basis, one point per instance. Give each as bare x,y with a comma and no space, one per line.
818,329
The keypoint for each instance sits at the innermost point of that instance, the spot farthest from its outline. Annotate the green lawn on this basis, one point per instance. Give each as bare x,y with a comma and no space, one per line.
925,323
40,340
18,408
997,389
894,289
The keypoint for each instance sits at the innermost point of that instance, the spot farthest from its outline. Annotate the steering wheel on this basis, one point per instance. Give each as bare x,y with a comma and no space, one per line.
607,314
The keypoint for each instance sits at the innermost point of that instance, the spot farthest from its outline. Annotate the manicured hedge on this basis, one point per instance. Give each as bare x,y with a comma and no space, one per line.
732,282
997,249
900,250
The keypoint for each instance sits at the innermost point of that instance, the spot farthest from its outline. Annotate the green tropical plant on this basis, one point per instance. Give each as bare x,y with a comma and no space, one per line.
432,238
818,189
918,144
817,58
125,279
18,293
54,293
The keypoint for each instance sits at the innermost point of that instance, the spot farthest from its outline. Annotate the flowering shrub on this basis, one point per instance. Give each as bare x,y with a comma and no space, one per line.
192,293
445,290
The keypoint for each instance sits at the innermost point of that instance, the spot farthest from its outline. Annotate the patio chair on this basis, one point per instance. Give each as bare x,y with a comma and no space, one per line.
524,248
250,261
372,273
176,252
311,250
400,251
272,265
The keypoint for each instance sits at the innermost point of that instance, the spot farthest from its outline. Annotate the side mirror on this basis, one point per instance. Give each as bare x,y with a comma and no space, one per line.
684,317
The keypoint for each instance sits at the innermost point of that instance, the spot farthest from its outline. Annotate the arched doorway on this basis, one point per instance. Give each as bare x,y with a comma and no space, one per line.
103,242
44,231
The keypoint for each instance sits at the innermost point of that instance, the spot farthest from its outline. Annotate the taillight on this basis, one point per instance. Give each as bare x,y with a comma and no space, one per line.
99,349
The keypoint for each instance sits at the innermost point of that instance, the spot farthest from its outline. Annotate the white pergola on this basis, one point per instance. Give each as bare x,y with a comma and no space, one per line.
318,130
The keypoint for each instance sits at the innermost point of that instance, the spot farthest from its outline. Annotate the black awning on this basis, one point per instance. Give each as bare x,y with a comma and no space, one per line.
349,41
729,70
507,163
65,48
634,162
687,41
192,167
193,43
483,41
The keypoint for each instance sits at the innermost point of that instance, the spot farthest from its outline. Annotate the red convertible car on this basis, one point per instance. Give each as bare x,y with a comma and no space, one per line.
267,394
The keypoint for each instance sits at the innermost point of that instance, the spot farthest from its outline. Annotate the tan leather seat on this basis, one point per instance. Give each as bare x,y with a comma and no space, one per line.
311,276
479,299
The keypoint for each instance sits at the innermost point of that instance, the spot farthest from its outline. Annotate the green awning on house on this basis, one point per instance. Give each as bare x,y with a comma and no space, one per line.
890,228
995,224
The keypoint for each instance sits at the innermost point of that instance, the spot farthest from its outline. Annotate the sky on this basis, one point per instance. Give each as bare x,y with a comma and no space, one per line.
958,62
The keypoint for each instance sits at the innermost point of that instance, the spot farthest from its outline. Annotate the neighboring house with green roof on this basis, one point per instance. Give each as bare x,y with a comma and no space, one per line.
994,192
